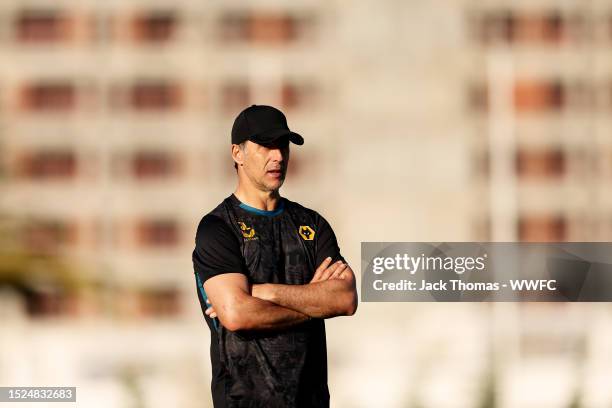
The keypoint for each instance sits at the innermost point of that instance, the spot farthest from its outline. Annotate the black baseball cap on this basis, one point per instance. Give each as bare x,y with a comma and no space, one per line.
263,125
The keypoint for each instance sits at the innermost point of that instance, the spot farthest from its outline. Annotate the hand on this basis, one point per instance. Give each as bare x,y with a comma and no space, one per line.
210,311
325,271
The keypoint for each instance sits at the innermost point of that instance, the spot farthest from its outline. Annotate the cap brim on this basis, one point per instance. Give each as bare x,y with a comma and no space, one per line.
273,135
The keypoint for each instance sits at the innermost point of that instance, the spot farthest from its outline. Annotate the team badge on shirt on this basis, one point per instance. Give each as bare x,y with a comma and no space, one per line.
306,233
247,232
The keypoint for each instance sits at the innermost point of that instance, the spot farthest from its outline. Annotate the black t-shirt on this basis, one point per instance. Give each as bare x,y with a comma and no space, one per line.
282,368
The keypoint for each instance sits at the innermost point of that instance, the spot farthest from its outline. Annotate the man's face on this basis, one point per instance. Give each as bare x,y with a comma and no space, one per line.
266,165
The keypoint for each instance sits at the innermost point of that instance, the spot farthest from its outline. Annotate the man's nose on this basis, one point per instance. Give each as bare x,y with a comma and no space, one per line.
277,154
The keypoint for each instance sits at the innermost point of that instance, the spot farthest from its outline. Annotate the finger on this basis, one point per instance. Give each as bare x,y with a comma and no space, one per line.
347,274
213,315
339,271
321,268
329,271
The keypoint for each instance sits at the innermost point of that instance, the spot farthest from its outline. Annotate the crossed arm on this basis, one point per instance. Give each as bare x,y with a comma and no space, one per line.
331,292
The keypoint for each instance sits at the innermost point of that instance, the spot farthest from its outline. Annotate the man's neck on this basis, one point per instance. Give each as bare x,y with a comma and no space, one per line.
262,200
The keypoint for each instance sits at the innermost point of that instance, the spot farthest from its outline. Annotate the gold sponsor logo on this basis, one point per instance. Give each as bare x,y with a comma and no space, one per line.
306,233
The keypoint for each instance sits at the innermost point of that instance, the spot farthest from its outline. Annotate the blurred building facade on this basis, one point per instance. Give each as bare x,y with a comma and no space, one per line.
424,121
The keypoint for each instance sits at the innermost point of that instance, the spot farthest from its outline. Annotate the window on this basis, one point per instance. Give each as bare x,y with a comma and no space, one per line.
234,27
542,228
158,233
496,27
540,163
50,303
235,96
546,28
580,95
43,236
295,95
478,97
270,28
538,96
154,164
508,27
48,165
161,302
534,96
155,95
49,96
34,26
155,26
291,95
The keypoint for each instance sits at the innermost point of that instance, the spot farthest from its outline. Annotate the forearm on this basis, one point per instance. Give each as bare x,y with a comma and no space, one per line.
334,297
258,314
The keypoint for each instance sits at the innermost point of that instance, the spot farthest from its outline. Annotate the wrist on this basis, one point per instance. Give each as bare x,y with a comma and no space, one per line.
261,291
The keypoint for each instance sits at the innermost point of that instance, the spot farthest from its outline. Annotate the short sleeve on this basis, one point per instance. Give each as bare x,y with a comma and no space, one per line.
327,245
217,249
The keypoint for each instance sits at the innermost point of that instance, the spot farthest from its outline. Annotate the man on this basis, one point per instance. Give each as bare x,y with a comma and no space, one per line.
268,271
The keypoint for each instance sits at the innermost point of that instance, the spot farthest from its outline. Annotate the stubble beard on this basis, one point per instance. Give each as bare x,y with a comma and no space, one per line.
261,185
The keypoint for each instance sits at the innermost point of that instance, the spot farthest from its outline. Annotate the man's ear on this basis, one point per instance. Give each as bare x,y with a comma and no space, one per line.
237,154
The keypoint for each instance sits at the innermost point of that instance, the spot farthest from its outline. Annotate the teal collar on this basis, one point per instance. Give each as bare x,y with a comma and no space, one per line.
257,211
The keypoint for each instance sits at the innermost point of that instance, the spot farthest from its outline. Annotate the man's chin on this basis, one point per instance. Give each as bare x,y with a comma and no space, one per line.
274,186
